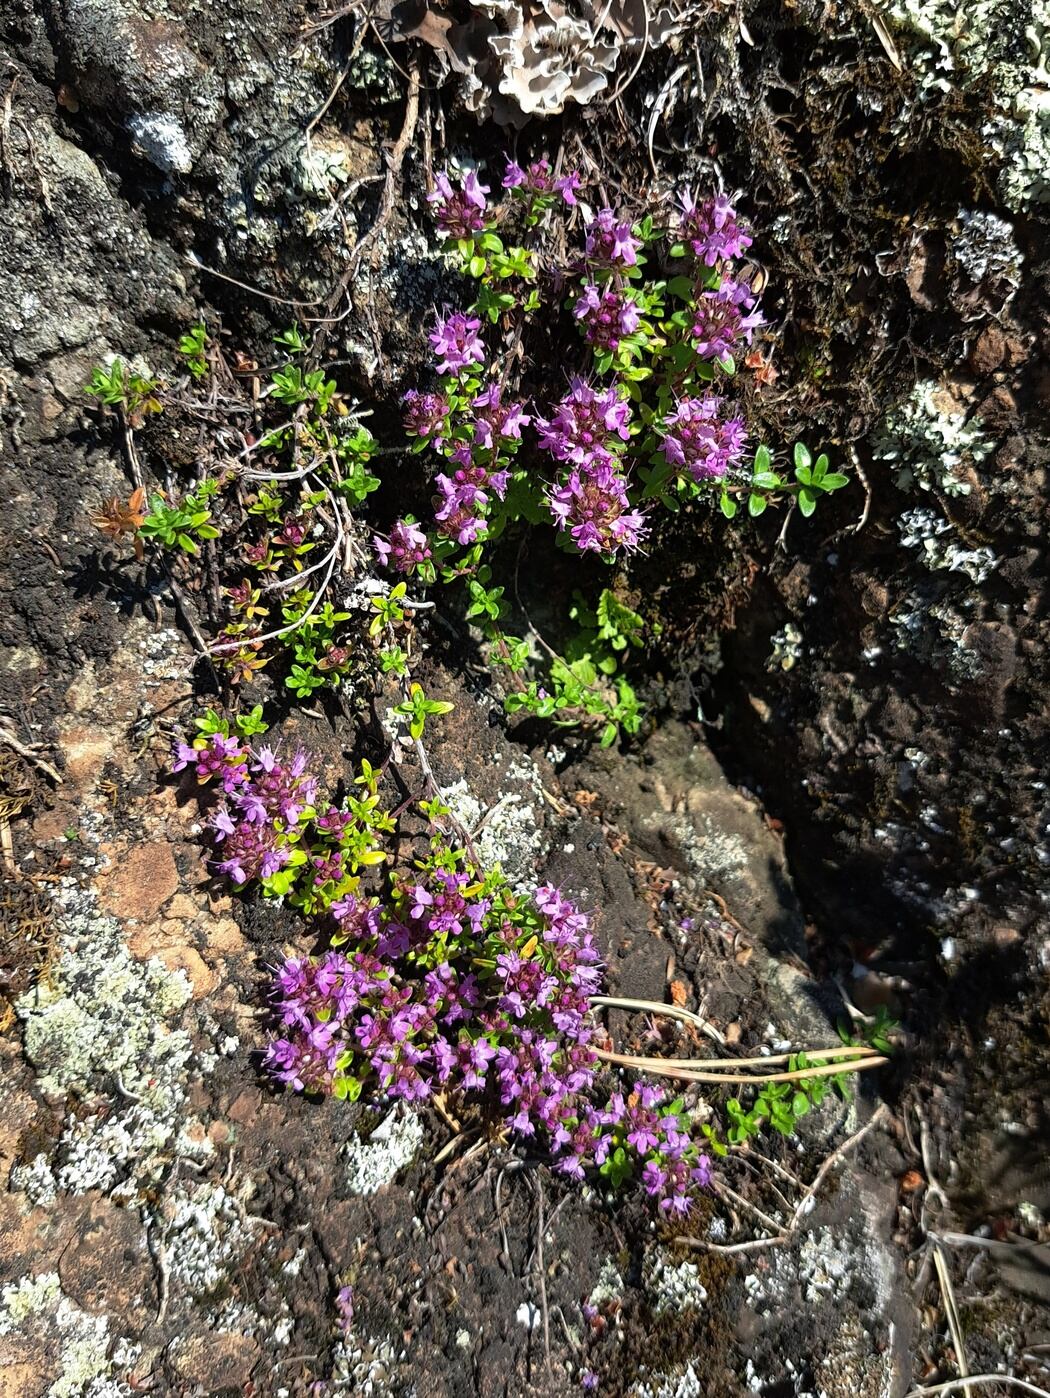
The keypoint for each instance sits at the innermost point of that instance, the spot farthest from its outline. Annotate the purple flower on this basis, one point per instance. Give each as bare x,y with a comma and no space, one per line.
495,420
218,756
711,230
424,413
724,319
609,243
592,503
607,315
568,186
406,548
653,1178
421,900
456,343
459,212
585,425
536,180
461,505
344,1307
699,440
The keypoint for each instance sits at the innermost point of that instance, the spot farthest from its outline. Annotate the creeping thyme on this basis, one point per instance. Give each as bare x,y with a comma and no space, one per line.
445,980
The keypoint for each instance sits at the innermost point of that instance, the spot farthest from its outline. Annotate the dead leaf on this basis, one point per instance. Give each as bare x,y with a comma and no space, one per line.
115,519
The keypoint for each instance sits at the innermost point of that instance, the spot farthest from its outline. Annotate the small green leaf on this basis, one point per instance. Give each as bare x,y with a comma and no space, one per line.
766,480
807,501
728,505
802,456
756,504
834,480
763,459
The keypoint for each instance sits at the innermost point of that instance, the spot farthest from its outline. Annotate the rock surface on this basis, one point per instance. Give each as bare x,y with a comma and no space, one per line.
168,1219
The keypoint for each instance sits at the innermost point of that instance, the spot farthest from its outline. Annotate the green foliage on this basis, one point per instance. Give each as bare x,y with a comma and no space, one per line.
291,340
783,1104
874,1033
389,611
417,708
184,526
118,386
584,684
341,849
193,347
244,725
293,386
353,452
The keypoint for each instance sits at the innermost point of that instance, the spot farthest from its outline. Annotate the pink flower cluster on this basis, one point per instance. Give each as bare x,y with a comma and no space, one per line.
591,501
405,549
700,440
451,983
267,799
711,229
593,505
585,424
485,429
387,1011
218,756
456,343
424,415
462,501
610,242
607,315
460,213
495,422
538,179
724,319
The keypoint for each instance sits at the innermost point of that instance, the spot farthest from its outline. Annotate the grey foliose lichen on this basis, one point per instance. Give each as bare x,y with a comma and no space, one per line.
205,1232
389,1149
932,535
928,440
986,250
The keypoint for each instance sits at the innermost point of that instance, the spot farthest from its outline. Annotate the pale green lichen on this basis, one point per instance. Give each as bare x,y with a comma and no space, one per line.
83,1349
510,832
206,1231
27,1297
98,1029
102,1012
995,47
928,440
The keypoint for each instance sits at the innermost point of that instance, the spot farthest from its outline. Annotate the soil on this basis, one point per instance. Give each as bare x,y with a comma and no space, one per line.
866,826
